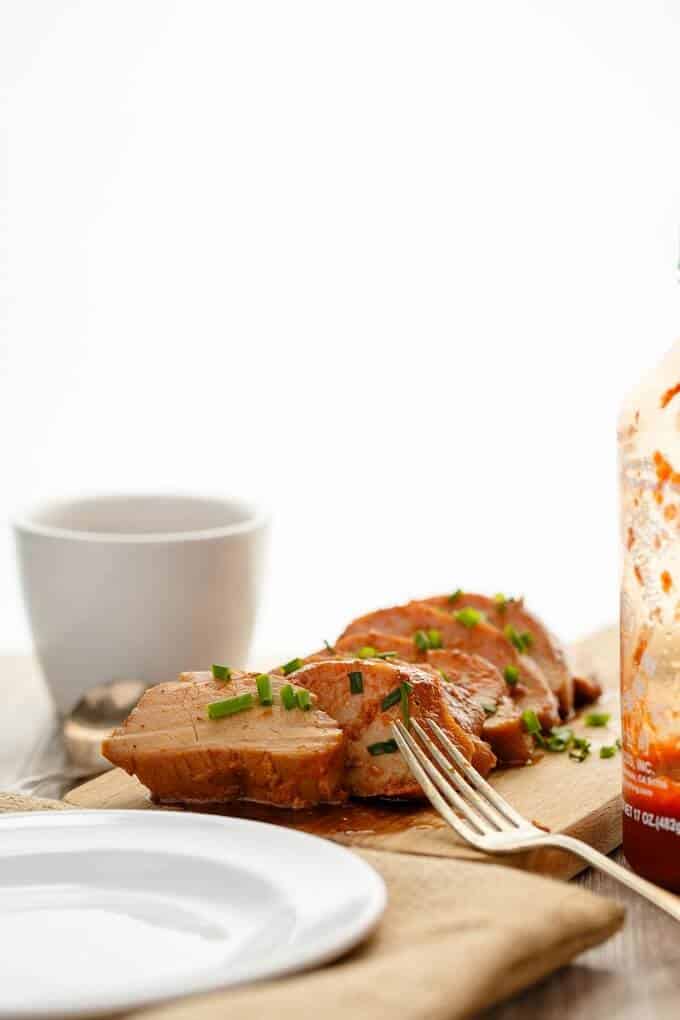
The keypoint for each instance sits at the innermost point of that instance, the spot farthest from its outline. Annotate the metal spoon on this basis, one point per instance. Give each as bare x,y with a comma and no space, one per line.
98,712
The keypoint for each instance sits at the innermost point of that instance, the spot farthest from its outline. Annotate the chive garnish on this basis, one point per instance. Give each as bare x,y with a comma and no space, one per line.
454,596
382,747
618,743
580,749
560,738
513,636
421,641
230,706
291,666
391,699
608,751
264,689
329,648
489,709
405,689
531,723
501,601
221,672
597,718
303,698
288,699
435,638
369,652
511,674
356,682
522,642
469,617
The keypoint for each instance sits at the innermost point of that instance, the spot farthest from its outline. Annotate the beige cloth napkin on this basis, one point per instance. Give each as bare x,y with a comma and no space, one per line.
458,936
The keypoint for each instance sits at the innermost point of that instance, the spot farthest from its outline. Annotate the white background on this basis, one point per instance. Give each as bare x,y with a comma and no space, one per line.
390,267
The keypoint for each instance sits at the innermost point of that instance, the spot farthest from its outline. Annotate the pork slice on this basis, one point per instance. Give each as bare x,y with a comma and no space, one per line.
546,651
483,757
586,690
358,706
505,732
403,647
466,711
480,638
478,677
467,703
502,727
290,759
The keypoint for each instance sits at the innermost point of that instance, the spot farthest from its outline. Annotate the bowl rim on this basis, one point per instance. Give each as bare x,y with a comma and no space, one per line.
257,517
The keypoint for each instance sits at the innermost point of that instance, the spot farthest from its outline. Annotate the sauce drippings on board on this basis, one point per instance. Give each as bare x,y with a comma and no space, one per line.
356,817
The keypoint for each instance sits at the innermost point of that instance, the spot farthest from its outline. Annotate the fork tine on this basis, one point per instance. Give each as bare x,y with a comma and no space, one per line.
467,834
450,796
466,790
476,780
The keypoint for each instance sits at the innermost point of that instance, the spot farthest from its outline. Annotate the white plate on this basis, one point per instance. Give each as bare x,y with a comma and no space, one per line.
108,910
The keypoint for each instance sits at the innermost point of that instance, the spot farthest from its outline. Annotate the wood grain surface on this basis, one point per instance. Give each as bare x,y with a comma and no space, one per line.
633,976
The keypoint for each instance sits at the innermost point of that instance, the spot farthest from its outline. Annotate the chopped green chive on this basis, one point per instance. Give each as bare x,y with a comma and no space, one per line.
454,596
230,706
607,752
288,699
329,648
560,738
501,601
489,708
444,676
405,689
597,718
618,743
264,689
356,682
382,747
421,641
522,642
391,699
469,617
304,699
291,666
580,749
513,636
511,674
221,672
424,640
531,723
369,652
435,638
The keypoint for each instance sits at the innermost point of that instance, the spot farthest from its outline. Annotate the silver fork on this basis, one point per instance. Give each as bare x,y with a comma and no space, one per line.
485,820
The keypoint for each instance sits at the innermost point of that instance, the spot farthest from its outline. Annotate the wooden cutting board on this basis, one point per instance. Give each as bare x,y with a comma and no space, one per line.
579,798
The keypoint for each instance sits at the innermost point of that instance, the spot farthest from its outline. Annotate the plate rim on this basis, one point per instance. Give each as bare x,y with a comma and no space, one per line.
349,936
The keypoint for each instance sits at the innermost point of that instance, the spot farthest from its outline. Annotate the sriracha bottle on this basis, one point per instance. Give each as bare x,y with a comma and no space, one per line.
649,460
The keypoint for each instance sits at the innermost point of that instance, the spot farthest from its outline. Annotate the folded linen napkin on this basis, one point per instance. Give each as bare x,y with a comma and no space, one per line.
457,937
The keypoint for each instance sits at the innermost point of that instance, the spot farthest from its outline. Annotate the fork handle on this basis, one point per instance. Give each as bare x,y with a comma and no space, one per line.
662,899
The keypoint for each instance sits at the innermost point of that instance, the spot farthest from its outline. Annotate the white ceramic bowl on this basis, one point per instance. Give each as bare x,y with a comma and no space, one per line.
139,586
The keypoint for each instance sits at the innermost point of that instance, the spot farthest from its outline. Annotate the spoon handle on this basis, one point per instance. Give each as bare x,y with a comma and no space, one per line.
30,784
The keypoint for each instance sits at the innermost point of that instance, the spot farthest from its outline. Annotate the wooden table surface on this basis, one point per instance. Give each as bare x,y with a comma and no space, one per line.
634,976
